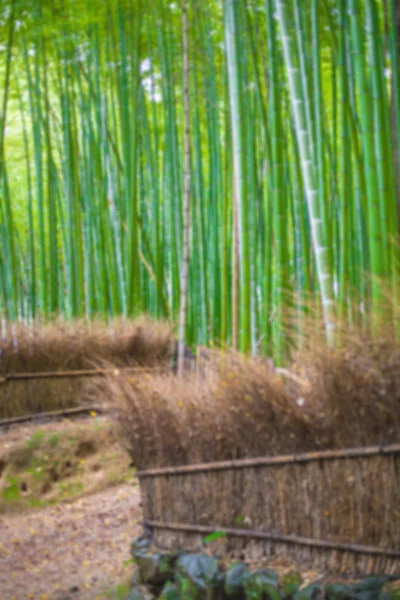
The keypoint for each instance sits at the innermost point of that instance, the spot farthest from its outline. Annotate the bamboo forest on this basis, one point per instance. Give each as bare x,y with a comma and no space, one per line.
252,143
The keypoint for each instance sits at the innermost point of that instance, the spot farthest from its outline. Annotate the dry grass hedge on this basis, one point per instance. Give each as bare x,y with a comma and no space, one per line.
242,407
73,346
354,389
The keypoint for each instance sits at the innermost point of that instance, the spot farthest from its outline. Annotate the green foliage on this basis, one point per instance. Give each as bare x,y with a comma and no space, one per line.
212,537
71,488
313,591
290,584
119,592
261,585
36,439
234,581
198,577
170,592
239,519
367,589
11,490
53,439
393,594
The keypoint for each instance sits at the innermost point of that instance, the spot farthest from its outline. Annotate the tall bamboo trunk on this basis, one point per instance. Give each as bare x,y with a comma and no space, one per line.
235,271
298,94
186,200
12,312
232,49
395,117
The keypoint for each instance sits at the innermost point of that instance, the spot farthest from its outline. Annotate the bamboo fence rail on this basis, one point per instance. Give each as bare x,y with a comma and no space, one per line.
54,415
273,460
263,535
77,373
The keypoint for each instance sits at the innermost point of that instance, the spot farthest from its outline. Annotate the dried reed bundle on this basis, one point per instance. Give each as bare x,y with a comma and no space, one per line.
62,345
242,407
353,388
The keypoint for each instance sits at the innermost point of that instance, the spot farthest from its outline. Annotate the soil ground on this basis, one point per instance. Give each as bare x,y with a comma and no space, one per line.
60,540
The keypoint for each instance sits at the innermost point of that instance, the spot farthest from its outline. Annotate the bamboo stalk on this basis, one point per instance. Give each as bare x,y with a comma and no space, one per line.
8,217
237,127
298,95
186,202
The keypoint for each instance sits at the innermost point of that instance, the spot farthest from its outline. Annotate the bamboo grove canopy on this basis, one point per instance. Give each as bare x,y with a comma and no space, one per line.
294,123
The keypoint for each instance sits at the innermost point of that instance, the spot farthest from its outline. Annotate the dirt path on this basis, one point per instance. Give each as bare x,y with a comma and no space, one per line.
73,551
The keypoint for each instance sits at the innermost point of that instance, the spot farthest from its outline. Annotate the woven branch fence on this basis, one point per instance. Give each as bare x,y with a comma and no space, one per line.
56,365
336,511
34,392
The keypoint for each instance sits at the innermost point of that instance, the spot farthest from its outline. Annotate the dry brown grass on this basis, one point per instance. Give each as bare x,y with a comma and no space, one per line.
240,407
74,345
70,346
353,389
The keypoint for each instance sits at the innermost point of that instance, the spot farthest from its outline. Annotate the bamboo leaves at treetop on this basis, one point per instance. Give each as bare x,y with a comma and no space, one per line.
293,108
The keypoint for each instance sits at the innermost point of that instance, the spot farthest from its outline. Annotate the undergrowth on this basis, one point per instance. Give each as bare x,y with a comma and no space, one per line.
52,466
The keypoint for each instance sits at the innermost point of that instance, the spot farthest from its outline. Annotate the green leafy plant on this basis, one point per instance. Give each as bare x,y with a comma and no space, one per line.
36,439
212,537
